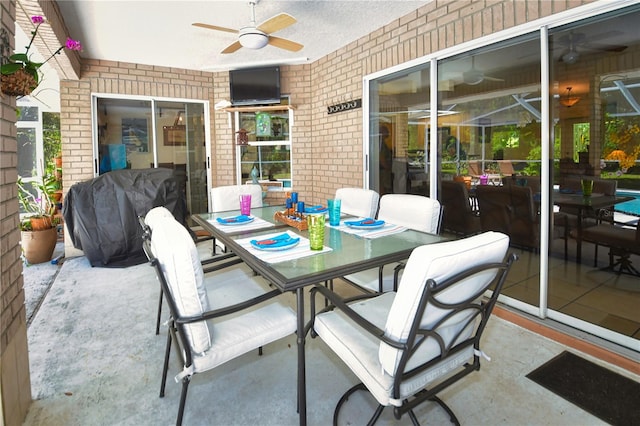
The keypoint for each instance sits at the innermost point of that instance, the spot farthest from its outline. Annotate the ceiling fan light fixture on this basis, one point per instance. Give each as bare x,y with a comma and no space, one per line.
571,57
252,38
568,99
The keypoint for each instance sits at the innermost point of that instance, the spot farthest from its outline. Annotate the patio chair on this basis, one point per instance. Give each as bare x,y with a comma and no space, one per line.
407,347
358,202
511,209
475,171
506,167
411,211
532,182
226,198
211,323
458,215
155,216
622,240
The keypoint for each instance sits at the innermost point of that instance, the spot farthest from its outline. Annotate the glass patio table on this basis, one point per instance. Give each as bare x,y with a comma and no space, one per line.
348,253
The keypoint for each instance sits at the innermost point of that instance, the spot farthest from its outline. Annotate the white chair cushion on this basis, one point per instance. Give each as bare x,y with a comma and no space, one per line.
411,211
155,214
358,201
225,198
178,257
242,332
438,262
359,350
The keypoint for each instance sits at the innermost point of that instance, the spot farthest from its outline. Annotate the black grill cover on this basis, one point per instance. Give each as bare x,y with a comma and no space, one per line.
102,214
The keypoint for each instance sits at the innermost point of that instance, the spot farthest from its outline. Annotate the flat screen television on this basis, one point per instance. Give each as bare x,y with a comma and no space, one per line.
255,86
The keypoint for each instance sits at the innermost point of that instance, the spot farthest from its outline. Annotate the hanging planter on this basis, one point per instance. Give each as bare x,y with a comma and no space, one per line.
20,75
20,83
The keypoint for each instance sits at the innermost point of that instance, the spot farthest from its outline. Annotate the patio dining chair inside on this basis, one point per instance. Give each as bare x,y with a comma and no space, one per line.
406,347
510,210
415,212
156,215
358,202
458,215
623,241
211,323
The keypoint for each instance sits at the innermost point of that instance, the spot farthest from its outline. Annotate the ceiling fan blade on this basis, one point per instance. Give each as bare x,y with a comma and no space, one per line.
604,47
285,44
277,23
214,27
486,77
233,47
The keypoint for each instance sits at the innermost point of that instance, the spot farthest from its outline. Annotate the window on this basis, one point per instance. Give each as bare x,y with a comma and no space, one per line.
267,148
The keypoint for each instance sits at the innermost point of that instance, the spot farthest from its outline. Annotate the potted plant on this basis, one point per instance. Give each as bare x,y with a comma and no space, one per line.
20,75
38,226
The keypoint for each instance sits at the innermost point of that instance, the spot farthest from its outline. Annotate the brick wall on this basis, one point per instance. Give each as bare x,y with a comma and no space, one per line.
336,146
15,386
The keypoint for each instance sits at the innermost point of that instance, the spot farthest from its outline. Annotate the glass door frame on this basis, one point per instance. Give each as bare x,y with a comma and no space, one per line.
153,100
542,27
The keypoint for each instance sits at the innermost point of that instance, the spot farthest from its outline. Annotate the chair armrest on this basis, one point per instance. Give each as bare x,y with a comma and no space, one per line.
341,304
229,309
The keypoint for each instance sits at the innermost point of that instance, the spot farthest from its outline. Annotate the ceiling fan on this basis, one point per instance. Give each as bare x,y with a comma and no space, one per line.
475,76
257,37
575,41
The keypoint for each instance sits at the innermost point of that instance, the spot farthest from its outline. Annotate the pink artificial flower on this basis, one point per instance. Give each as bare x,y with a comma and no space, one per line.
37,19
73,44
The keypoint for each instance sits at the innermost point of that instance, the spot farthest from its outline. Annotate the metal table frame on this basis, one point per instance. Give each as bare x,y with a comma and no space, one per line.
593,203
359,254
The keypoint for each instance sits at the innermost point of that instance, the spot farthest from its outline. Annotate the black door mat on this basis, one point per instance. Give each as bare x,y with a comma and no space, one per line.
597,390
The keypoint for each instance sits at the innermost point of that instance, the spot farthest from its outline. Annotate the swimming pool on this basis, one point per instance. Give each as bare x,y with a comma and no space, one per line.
629,207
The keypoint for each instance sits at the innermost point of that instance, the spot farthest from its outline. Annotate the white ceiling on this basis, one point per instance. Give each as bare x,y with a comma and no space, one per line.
160,32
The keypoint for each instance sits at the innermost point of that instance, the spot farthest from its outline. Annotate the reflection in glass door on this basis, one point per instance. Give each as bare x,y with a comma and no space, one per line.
147,133
399,112
180,146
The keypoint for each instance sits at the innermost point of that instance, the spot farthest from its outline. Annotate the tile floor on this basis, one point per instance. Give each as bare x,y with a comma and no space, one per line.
583,291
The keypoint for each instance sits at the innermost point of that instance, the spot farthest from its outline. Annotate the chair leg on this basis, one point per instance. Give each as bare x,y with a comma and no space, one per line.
345,398
165,367
414,419
595,256
159,313
183,399
452,416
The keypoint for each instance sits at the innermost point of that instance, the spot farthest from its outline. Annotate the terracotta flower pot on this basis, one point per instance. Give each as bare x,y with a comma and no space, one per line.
38,246
41,223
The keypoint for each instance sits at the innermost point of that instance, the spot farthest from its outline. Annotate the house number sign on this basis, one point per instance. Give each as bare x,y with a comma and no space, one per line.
345,106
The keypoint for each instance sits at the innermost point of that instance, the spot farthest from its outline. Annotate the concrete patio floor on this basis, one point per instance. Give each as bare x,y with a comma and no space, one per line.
95,360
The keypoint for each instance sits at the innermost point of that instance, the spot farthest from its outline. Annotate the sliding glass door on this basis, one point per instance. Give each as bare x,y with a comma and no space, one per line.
505,121
144,133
